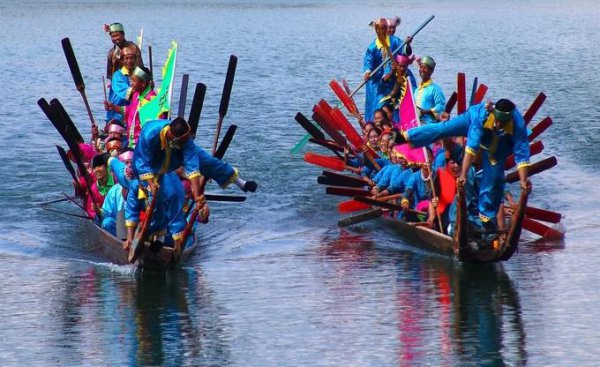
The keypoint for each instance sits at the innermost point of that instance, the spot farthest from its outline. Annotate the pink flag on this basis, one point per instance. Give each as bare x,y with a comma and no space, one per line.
409,119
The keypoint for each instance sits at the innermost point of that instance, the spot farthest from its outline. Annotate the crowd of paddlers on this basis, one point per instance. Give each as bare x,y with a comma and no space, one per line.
410,151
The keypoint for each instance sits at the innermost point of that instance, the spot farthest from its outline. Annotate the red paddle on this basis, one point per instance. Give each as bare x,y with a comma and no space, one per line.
541,229
534,148
535,106
461,87
328,162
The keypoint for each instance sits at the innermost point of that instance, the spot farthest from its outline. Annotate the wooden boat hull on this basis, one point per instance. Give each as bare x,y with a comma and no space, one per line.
460,245
111,248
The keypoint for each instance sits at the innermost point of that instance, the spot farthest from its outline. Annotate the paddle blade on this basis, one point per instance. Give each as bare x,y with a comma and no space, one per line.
298,147
226,141
197,104
183,95
70,127
346,179
542,214
451,102
542,230
540,128
66,162
534,169
480,94
343,123
73,65
473,91
308,126
534,149
228,85
462,93
325,122
535,106
351,206
324,161
371,214
225,198
343,97
324,180
347,191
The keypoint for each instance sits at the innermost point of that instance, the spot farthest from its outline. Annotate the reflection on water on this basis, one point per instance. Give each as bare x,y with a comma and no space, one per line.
106,319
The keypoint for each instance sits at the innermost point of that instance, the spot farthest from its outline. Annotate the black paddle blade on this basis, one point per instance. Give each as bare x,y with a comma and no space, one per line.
50,113
197,104
72,131
473,91
183,95
66,162
73,65
228,85
226,198
226,141
309,127
330,181
451,102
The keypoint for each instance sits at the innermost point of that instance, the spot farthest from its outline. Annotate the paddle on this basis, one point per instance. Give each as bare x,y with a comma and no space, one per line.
196,109
480,94
535,106
462,93
362,217
324,180
331,145
394,52
76,73
535,168
350,206
540,128
346,191
137,245
387,205
64,130
543,214
66,162
70,125
298,147
225,98
183,95
150,59
328,162
58,118
326,123
451,102
542,230
348,91
308,126
346,101
346,179
64,213
534,148
226,141
225,198
473,91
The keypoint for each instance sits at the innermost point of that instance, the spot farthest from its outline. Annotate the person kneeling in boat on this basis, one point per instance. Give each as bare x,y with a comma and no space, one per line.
418,195
114,203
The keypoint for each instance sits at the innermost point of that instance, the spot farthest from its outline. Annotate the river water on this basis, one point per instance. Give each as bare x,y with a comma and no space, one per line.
275,282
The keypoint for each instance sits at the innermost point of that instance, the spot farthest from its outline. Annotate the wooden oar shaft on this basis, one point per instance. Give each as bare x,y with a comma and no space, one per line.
535,168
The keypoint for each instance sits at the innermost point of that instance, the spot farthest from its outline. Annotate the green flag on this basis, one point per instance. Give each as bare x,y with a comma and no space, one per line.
162,102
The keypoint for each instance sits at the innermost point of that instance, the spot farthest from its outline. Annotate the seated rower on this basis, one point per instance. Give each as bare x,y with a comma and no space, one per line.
114,203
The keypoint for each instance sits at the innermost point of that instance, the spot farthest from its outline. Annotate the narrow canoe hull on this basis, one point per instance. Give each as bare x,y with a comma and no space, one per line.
111,248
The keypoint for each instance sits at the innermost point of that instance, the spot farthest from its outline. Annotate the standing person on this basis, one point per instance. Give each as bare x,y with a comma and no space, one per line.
380,83
120,91
117,37
499,133
429,97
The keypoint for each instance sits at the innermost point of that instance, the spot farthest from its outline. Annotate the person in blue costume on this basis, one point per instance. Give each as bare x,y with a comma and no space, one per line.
121,167
164,146
168,217
377,53
418,194
114,202
401,76
120,90
499,133
429,97
395,178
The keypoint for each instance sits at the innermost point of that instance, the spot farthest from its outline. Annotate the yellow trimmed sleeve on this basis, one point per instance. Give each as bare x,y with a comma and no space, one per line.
231,179
193,174
523,164
178,236
470,151
404,201
130,223
147,176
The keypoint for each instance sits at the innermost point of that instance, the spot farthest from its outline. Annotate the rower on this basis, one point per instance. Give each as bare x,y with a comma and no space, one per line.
117,37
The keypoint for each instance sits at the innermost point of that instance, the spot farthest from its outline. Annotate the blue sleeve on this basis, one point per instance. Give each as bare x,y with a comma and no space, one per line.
121,89
439,99
368,60
521,141
143,156
191,163
132,206
109,206
475,133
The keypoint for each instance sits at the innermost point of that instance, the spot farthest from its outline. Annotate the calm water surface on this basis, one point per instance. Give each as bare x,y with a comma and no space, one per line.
275,282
